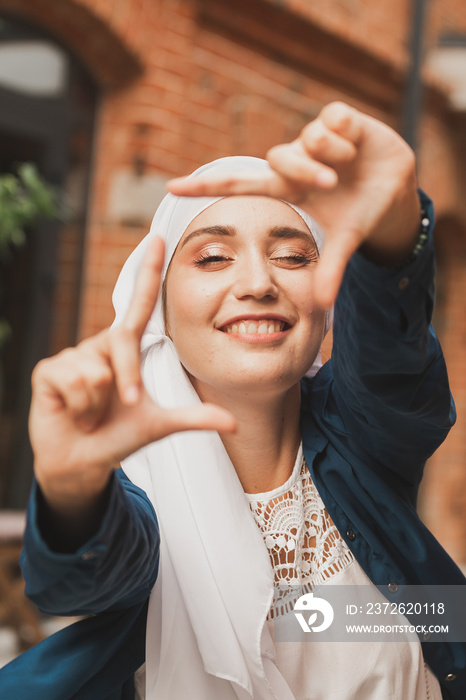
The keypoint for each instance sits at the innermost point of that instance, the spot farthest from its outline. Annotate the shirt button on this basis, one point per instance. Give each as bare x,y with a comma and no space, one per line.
403,283
89,555
450,677
393,587
350,535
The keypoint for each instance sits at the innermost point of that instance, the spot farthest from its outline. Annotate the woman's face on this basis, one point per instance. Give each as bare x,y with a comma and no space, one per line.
240,308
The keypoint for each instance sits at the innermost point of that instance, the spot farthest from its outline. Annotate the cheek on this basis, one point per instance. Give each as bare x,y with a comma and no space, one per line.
312,320
186,306
188,324
303,299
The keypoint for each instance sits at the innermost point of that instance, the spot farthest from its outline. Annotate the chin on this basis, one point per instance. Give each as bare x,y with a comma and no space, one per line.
253,385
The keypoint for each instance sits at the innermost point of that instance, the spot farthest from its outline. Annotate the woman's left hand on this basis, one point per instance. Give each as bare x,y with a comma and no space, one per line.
353,174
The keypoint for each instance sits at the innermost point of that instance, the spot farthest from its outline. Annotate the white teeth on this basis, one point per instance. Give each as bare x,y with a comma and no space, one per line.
250,327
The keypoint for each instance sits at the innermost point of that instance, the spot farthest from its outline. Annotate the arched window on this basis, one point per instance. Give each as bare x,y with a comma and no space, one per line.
47,107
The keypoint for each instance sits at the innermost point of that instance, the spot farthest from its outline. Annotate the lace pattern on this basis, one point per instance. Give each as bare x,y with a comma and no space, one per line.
304,545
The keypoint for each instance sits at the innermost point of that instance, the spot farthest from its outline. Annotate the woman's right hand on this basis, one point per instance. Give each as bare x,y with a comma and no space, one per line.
90,409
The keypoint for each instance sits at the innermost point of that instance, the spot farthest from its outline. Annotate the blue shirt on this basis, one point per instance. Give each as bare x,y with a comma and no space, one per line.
370,419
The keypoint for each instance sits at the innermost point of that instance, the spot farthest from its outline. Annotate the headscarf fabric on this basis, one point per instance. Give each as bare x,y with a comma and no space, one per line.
206,631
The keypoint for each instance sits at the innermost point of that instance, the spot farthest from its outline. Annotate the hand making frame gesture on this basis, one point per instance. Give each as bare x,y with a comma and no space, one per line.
90,409
353,174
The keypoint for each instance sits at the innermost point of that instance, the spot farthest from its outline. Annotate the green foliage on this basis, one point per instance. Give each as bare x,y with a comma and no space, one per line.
25,199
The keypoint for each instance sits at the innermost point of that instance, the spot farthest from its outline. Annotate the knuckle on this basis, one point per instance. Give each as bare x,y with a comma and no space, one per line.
65,355
346,153
39,372
336,105
74,381
410,160
271,154
231,182
46,368
337,115
316,139
202,189
102,376
307,131
275,154
235,185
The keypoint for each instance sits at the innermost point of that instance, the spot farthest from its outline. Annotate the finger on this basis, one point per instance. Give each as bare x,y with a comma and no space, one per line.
226,185
343,120
199,417
331,267
150,423
123,348
123,342
273,184
146,289
99,380
325,146
293,163
79,384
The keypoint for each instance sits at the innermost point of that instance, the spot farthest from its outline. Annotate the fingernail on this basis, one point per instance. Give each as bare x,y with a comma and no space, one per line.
326,178
131,394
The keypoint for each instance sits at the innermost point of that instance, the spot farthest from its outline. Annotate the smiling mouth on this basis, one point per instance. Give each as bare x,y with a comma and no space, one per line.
261,327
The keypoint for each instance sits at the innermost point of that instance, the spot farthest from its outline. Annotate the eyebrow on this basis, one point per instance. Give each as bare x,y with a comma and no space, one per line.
276,232
290,232
210,230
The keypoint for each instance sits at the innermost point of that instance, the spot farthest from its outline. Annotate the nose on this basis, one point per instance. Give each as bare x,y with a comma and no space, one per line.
255,279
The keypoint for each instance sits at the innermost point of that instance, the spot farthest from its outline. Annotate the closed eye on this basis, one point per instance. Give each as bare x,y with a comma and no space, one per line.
210,259
295,259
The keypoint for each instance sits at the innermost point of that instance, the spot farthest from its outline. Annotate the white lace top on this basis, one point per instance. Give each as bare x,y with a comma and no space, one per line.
307,550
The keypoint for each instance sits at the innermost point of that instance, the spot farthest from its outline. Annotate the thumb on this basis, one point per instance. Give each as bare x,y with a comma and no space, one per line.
330,269
202,416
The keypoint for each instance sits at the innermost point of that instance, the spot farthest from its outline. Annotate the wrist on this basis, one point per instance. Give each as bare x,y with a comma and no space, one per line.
399,237
72,493
68,524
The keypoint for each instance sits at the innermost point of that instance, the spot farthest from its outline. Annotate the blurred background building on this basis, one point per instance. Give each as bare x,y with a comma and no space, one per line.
110,98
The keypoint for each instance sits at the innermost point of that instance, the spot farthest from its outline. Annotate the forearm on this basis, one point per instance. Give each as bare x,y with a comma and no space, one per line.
117,566
390,377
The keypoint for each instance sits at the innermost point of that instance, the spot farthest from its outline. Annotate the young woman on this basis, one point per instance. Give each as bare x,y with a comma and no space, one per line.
245,465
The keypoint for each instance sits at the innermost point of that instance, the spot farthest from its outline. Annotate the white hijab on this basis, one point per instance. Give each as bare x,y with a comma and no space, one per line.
206,632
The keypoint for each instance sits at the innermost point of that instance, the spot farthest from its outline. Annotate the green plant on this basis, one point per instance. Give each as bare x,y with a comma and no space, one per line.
25,199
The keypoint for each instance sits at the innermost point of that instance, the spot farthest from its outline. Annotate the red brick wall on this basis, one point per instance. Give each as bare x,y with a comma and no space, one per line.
182,84
201,96
380,27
